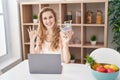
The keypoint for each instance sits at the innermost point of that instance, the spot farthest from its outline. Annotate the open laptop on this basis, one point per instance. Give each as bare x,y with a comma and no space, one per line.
45,63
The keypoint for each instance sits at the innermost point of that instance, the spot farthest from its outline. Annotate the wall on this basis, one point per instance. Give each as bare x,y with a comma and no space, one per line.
14,27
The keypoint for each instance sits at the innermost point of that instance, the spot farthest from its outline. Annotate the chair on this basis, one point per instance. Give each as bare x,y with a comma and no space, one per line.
106,55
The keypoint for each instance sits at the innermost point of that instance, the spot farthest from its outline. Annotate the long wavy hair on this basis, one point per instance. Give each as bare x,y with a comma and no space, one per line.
42,31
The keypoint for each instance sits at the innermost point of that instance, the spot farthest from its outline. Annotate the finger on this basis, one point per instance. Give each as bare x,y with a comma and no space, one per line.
72,32
36,32
32,28
69,35
29,28
65,34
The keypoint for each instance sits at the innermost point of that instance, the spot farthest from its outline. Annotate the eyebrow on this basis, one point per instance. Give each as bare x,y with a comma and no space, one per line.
48,17
51,16
45,18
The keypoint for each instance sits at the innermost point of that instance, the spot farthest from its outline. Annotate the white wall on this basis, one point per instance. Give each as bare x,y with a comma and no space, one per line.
14,24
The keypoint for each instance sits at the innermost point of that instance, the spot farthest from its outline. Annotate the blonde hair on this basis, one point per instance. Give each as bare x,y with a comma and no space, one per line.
42,31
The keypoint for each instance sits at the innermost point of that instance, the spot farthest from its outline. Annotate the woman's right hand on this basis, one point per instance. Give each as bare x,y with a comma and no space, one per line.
32,33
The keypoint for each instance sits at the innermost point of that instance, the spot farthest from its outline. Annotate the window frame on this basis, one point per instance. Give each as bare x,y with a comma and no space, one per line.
6,23
13,38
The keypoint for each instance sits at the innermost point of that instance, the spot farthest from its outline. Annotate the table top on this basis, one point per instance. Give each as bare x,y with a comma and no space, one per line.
70,72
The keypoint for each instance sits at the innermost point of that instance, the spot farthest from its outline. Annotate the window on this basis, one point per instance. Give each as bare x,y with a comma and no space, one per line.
9,11
3,49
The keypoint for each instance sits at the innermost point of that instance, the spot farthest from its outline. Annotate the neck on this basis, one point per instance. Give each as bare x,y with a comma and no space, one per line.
49,32
49,35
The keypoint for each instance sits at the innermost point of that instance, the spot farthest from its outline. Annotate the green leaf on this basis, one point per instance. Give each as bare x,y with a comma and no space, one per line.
90,60
114,21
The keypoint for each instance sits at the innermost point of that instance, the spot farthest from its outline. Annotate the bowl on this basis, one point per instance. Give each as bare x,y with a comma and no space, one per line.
104,75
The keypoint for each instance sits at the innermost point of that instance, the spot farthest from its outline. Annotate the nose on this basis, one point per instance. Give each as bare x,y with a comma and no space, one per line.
48,20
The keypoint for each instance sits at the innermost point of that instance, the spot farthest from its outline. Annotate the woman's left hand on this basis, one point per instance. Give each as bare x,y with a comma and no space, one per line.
66,36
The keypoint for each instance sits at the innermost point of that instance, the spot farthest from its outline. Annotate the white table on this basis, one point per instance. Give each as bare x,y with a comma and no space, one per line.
70,72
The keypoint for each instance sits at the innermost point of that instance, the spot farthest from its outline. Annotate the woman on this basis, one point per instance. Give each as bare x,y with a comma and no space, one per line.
49,37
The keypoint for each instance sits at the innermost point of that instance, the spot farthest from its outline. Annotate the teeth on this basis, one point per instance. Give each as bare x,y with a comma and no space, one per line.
49,24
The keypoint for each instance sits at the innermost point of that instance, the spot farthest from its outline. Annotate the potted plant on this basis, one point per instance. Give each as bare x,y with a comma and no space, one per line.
72,58
93,40
35,18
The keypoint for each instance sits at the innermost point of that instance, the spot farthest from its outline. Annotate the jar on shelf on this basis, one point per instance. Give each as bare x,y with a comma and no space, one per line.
99,17
89,17
68,17
78,17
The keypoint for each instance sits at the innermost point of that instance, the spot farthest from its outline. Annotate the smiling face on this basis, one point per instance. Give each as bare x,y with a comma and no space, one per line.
48,23
48,19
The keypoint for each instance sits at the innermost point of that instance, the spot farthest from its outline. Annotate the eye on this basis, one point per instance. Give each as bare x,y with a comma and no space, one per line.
44,18
50,17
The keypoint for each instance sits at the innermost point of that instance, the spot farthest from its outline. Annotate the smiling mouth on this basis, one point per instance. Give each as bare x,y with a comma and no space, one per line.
49,24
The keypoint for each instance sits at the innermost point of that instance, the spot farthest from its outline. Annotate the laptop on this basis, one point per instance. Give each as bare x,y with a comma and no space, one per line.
45,63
